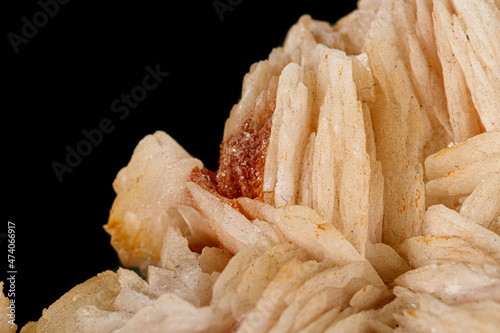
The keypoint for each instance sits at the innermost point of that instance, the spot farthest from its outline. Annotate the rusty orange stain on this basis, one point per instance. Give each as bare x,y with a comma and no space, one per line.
450,173
443,237
411,313
426,239
430,237
417,198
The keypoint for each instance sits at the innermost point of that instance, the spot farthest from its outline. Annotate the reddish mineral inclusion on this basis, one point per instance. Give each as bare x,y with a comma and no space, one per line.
241,163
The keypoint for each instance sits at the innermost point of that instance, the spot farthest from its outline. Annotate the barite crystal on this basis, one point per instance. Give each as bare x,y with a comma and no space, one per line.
358,191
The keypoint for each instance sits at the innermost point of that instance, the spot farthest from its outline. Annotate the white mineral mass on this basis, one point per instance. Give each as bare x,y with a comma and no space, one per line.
358,191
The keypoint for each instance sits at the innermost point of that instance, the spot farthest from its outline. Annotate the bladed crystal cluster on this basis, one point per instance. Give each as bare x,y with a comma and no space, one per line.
358,190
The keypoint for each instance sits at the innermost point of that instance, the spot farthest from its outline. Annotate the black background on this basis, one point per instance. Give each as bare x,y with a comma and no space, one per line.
64,81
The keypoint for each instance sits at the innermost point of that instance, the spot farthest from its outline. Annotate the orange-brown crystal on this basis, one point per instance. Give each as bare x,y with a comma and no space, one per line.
241,163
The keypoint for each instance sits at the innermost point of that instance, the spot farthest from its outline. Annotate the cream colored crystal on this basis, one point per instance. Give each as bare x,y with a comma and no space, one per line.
349,233
426,313
148,206
6,306
483,205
